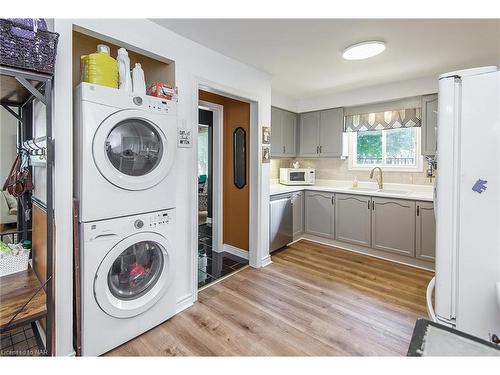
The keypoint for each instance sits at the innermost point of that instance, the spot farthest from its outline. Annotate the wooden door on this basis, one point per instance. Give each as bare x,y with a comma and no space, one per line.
235,201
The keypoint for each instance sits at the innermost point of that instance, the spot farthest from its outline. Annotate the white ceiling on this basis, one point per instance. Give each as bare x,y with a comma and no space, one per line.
304,56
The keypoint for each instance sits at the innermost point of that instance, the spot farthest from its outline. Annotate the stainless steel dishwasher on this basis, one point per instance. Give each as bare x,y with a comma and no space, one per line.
280,221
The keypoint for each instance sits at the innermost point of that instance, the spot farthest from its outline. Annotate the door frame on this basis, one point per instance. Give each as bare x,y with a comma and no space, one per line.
258,255
217,165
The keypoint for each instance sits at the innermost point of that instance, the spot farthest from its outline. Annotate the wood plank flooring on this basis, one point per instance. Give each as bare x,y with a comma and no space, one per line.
312,300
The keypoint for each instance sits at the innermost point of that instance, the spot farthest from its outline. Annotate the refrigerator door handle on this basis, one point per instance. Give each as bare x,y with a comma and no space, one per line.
430,308
498,292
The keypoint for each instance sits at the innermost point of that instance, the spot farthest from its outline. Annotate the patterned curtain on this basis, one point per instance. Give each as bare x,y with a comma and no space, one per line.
405,118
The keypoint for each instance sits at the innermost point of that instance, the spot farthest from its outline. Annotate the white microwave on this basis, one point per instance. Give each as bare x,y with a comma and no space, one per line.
297,176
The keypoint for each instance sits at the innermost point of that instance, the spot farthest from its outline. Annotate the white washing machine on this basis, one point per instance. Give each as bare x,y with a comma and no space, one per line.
124,152
127,278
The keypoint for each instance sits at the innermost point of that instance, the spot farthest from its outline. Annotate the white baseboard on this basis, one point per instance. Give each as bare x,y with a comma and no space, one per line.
183,303
396,258
266,261
235,251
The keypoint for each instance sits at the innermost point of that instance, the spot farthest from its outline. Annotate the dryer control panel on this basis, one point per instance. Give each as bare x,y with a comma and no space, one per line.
153,104
158,219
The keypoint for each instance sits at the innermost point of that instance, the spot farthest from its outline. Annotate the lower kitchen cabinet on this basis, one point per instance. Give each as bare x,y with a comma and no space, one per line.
319,213
425,231
353,219
298,214
393,225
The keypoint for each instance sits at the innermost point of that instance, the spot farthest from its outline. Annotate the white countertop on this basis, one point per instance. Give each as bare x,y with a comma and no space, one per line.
415,192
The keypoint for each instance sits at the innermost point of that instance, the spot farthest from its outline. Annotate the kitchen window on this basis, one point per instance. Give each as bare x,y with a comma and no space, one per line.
394,149
381,135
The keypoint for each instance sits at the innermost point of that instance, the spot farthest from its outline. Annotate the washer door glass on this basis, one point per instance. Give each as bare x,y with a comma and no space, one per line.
134,147
136,270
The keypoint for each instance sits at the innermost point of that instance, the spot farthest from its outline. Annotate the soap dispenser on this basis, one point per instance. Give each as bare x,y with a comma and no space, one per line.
355,182
138,81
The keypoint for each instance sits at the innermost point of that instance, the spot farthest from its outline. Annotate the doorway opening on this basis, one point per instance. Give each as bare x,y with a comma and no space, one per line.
215,256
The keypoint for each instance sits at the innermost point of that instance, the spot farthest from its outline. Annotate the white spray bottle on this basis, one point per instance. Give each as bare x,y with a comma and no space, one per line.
138,81
124,70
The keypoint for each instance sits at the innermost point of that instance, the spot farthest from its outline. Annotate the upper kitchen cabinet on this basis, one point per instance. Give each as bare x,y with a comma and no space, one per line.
283,133
320,133
331,126
429,124
309,134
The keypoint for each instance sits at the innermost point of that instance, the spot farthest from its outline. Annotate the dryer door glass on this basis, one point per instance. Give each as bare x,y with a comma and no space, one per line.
136,270
134,147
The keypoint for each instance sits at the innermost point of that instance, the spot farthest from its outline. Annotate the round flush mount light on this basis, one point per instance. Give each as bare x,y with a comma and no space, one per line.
363,50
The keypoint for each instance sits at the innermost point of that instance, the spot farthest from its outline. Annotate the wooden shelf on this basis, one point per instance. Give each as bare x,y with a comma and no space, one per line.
15,290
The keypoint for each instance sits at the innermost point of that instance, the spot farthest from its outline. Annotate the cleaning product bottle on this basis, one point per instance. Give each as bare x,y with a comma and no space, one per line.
355,182
124,70
100,68
138,81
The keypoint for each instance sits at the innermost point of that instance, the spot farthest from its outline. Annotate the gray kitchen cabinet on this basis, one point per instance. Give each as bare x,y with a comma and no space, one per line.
353,219
319,213
309,134
331,126
298,214
320,133
276,132
289,133
429,124
425,231
283,133
393,225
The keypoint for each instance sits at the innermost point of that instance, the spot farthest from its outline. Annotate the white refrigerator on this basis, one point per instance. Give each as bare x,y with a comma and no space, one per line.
467,204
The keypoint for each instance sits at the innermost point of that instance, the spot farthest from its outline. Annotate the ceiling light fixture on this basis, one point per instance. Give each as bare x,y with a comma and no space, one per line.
363,50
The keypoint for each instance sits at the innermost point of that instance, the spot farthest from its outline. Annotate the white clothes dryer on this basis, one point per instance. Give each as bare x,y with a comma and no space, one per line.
127,278
124,152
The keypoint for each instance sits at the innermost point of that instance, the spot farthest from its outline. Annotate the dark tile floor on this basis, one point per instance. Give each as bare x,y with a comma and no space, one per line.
213,265
20,341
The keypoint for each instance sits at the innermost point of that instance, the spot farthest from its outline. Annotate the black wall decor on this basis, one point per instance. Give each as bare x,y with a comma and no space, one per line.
239,158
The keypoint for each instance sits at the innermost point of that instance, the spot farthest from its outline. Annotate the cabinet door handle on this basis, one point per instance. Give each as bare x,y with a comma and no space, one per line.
418,210
320,149
317,149
368,204
332,200
373,206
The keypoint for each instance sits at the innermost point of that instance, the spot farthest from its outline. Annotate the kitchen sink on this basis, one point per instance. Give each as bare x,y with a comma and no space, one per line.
393,191
364,189
375,190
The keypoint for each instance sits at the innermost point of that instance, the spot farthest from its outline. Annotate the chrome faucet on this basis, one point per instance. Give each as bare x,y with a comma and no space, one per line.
380,181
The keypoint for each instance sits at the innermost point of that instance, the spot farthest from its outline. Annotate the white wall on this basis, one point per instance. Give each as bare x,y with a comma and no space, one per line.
193,64
8,142
372,94
283,101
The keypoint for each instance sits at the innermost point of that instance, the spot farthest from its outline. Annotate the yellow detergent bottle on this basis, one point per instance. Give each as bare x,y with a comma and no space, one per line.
99,68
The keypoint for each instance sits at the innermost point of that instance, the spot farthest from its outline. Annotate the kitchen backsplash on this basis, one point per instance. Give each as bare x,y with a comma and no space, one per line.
337,169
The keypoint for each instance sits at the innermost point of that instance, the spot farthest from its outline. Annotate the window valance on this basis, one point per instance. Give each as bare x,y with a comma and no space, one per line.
405,118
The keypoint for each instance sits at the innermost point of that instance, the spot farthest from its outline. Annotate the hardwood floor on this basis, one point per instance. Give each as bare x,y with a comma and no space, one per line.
313,300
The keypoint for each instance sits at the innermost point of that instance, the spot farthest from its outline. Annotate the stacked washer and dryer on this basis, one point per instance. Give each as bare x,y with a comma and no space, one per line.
124,154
